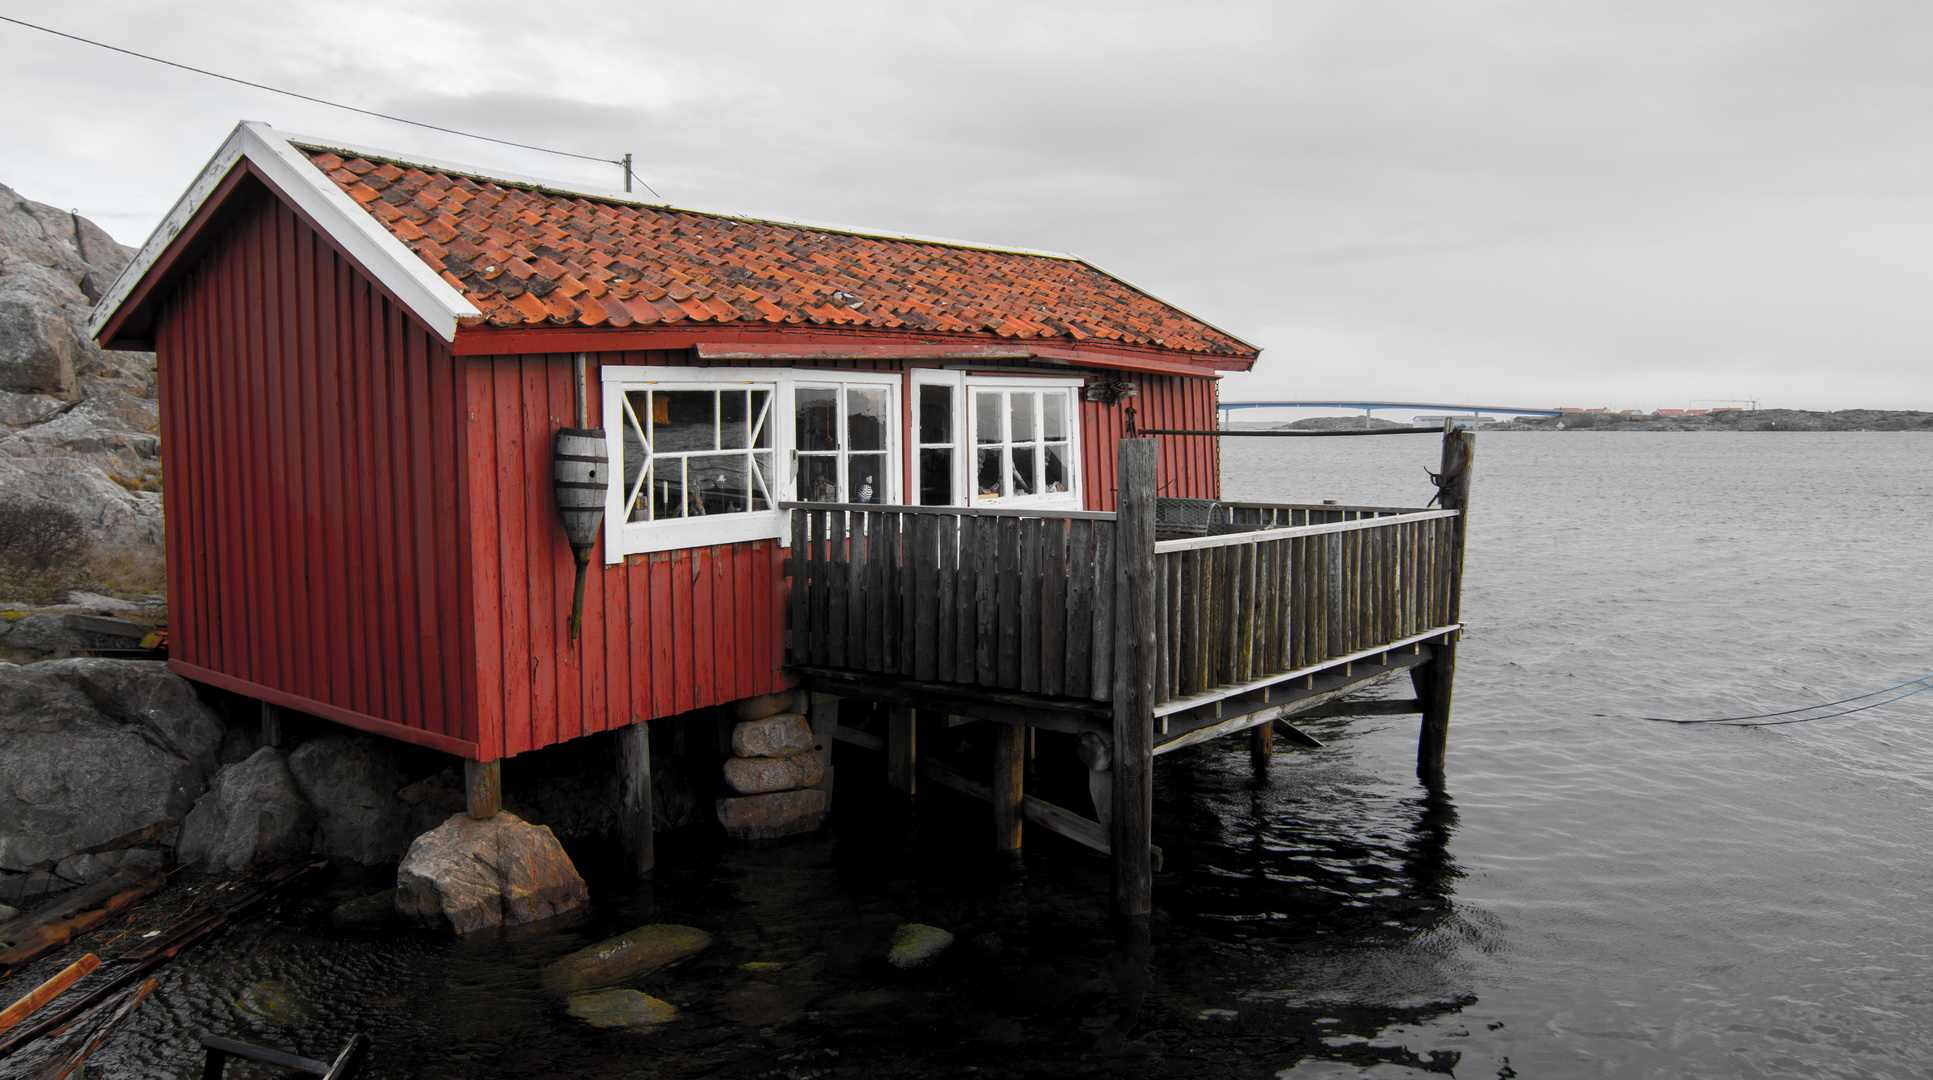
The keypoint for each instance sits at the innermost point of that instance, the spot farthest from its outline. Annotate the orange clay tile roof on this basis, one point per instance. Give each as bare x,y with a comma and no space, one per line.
533,257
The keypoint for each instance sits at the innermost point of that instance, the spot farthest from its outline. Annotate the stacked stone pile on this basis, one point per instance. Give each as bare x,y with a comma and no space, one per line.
773,769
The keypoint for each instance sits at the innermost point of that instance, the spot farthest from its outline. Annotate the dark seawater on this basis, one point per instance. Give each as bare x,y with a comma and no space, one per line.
1593,894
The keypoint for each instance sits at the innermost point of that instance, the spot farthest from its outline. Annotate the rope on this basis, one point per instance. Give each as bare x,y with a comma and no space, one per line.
1766,719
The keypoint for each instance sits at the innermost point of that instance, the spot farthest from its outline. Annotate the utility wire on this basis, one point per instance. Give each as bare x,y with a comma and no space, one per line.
319,101
1768,721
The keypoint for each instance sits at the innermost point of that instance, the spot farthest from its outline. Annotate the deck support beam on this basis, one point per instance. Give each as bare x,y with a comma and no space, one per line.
1130,829
482,788
1009,771
634,800
1435,680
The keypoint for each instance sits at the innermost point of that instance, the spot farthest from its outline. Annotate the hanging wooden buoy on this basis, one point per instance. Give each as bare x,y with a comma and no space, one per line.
578,469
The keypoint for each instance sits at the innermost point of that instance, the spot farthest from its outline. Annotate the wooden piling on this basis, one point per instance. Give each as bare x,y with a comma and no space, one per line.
634,801
1435,679
273,725
1130,829
1261,745
902,752
1009,770
482,788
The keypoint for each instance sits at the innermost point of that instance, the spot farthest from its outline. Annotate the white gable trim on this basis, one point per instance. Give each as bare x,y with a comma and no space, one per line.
360,235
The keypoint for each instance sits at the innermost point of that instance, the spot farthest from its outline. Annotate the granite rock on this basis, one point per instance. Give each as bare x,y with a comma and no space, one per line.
253,815
778,736
473,875
756,776
625,957
769,817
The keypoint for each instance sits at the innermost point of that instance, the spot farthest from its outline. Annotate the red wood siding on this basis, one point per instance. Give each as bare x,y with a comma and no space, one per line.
663,633
309,446
1187,467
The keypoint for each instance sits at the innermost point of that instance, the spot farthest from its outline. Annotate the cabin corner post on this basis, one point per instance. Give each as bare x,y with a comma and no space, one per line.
1130,832
1435,680
634,815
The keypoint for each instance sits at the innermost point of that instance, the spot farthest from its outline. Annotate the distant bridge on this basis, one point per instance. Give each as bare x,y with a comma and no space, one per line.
1372,406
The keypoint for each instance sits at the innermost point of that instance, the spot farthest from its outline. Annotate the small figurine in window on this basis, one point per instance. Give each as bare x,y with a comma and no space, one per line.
865,491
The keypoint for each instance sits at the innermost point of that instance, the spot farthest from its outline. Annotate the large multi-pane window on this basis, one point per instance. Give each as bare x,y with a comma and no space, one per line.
697,452
1021,442
843,440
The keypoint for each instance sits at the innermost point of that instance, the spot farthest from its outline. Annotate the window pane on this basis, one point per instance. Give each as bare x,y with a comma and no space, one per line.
866,478
818,478
1053,414
936,477
986,418
987,478
1023,470
762,481
683,420
1023,417
733,431
640,508
667,488
1056,467
866,419
635,458
936,414
718,484
761,420
818,420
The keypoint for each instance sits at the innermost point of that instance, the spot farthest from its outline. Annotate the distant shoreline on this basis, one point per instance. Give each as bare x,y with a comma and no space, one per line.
1729,420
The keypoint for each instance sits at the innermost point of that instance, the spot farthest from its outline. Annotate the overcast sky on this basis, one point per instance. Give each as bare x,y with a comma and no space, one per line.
1629,204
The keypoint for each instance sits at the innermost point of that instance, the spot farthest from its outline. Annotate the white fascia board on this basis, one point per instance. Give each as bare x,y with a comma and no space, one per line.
626,198
360,235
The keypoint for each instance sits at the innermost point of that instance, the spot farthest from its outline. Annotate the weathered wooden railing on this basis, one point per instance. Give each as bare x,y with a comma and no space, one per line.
1024,600
1252,607
1010,599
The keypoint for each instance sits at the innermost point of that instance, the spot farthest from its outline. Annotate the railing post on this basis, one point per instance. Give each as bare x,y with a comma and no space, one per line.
1435,679
1130,830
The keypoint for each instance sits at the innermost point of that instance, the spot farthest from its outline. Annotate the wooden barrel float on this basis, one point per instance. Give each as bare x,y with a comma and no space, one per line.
579,467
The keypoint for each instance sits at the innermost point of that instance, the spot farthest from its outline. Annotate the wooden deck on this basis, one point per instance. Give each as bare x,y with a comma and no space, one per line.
1094,625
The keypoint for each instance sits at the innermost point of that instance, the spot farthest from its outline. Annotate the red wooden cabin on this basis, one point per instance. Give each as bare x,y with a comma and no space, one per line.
364,361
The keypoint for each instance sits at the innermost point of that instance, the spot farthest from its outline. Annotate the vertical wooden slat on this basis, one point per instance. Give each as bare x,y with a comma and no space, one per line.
1101,687
1007,641
1079,638
858,603
799,651
839,586
1188,656
986,602
1053,606
1130,827
1030,604
947,598
923,559
904,590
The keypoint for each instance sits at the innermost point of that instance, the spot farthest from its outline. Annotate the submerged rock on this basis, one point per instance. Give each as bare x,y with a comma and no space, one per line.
768,817
917,945
620,1009
377,909
625,957
252,816
472,875
756,776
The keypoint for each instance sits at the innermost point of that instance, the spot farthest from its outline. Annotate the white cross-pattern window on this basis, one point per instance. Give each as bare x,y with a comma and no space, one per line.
1021,443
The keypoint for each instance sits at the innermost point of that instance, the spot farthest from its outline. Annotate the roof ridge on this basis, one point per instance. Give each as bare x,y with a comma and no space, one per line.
546,187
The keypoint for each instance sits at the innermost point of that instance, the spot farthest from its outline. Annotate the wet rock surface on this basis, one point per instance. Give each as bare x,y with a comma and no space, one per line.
625,957
621,1009
252,816
917,945
473,875
770,817
355,783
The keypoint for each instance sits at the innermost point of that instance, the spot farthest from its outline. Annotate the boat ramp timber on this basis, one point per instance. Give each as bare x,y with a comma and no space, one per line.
1138,641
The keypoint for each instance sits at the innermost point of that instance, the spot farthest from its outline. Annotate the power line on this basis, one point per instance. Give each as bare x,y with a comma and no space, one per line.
623,163
1765,719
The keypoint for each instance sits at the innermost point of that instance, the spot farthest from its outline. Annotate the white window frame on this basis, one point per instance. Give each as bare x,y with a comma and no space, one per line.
622,538
890,491
966,464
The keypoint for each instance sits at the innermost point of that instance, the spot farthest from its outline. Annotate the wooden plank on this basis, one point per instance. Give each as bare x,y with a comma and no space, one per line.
906,589
948,599
1009,767
924,587
1054,819
1079,641
1239,715
798,650
986,602
1433,635
1053,606
876,580
1030,604
980,703
634,798
1007,641
1131,822
960,511
1352,524
47,991
1101,684
839,585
